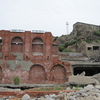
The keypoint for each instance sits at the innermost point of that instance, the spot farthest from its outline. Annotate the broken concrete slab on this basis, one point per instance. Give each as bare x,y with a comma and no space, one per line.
83,80
97,76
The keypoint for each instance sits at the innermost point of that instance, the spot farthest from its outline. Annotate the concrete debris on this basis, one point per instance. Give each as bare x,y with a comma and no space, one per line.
89,92
8,89
82,74
26,97
97,76
83,80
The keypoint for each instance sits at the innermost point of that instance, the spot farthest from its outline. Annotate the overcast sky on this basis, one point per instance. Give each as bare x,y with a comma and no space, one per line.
48,15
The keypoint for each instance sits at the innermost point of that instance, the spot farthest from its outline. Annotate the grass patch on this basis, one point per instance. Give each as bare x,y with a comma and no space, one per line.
44,89
16,80
56,88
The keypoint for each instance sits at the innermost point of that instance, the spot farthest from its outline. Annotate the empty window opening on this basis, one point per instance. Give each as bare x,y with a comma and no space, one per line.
37,46
0,40
17,45
0,44
90,71
89,48
95,47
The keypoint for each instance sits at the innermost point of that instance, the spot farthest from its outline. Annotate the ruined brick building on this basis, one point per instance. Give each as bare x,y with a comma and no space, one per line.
31,55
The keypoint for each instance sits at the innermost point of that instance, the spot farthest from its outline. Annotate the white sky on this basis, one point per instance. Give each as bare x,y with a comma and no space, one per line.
48,15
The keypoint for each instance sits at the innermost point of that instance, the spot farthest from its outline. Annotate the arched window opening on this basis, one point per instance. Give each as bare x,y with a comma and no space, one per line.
58,73
17,45
37,74
0,44
37,46
0,40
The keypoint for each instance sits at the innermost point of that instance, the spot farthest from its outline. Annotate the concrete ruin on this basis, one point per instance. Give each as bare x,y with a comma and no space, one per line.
86,55
80,63
31,55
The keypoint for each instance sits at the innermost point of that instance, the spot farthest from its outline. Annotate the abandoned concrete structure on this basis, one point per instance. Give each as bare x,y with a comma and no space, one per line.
80,63
31,55
86,55
92,49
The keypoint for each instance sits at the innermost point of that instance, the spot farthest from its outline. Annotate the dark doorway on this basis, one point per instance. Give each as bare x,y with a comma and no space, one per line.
90,71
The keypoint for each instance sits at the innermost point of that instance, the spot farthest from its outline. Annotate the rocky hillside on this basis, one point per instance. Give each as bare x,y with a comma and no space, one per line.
81,33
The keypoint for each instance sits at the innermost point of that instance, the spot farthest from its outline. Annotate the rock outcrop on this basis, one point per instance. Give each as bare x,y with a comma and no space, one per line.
81,33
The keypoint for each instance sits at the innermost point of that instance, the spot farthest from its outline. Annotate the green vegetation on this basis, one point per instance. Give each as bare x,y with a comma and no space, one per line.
67,50
44,89
97,33
88,41
80,85
55,38
57,88
69,43
97,41
16,80
61,48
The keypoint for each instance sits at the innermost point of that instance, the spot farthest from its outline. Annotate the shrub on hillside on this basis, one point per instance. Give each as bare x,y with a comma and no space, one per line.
67,50
88,41
61,48
97,33
69,43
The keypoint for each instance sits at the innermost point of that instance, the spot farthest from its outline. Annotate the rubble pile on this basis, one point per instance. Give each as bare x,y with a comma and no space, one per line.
89,92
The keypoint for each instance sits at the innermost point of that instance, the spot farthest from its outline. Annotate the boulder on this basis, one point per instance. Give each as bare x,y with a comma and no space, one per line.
26,97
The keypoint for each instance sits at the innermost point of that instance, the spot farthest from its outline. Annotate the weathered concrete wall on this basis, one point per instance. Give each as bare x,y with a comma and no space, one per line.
92,49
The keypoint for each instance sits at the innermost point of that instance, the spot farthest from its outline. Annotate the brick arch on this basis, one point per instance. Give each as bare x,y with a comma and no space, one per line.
37,40
17,44
37,73
58,73
37,46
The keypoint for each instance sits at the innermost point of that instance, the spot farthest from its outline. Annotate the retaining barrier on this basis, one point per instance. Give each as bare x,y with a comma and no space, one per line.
31,93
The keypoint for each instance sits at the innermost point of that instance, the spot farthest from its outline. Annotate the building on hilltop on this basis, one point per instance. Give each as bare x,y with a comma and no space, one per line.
31,55
84,30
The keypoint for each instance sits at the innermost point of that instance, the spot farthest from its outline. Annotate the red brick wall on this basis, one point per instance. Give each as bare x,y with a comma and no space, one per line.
17,48
37,73
37,48
0,74
17,44
62,73
46,68
0,48
54,50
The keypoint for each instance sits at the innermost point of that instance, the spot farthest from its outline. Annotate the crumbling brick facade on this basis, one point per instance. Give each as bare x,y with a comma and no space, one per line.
33,56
